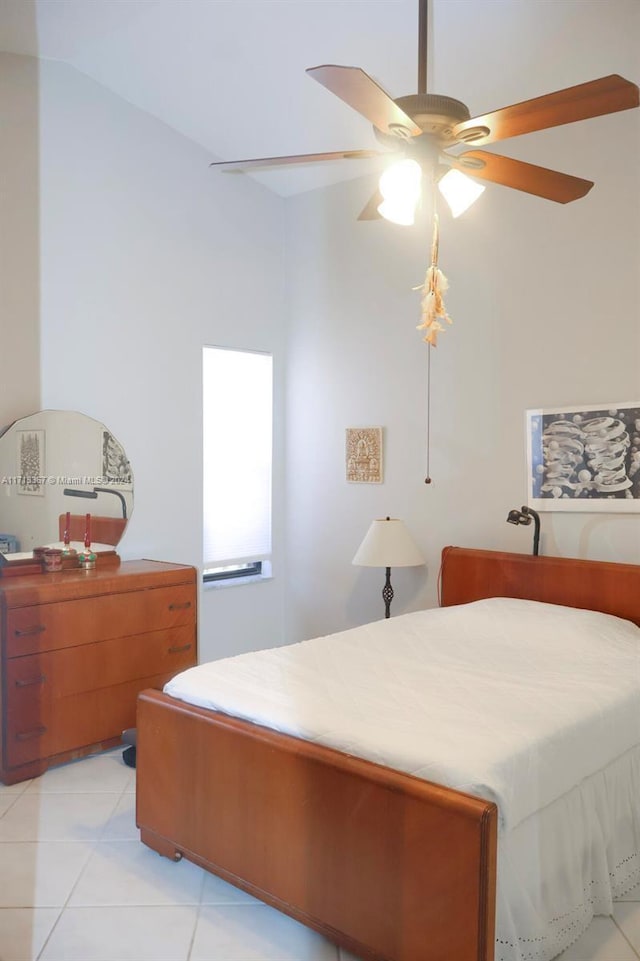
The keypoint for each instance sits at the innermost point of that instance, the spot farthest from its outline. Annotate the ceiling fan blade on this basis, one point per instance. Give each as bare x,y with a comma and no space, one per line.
593,99
529,178
356,88
370,211
302,158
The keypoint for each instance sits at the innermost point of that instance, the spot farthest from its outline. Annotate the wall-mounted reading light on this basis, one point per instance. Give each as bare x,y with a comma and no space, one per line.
524,516
72,492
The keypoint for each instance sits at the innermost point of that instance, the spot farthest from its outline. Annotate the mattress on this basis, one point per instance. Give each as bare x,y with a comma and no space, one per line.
532,705
511,700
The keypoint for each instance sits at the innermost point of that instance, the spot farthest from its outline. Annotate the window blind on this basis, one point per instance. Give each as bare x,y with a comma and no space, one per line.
237,448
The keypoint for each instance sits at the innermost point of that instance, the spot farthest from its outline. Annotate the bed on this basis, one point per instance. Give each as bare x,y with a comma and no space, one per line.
392,866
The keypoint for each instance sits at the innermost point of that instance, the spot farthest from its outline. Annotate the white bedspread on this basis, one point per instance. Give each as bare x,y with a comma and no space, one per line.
515,701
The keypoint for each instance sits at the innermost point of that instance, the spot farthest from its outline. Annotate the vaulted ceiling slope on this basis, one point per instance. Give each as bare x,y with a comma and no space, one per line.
230,74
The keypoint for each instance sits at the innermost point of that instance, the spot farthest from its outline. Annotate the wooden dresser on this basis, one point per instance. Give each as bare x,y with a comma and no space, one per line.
76,649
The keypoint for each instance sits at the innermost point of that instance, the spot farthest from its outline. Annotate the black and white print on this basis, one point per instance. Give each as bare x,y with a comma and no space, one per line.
116,468
585,458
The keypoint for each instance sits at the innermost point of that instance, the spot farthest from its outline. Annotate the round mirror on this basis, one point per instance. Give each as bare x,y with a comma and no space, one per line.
57,463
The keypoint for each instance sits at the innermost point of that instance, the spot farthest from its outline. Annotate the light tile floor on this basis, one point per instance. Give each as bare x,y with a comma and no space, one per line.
76,884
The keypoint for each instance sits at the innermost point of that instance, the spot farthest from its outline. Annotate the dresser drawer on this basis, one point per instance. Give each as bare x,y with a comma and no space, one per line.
29,715
54,726
56,700
47,627
104,664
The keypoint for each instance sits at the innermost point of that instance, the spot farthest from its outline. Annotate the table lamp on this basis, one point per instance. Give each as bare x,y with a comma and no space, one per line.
388,544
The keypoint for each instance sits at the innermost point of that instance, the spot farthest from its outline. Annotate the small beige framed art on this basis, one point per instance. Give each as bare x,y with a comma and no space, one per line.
363,455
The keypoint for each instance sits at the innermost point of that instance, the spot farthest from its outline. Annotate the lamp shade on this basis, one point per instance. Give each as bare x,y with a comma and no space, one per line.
400,186
459,191
388,543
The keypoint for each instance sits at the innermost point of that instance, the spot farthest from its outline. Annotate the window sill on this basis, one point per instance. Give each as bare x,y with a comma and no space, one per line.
235,582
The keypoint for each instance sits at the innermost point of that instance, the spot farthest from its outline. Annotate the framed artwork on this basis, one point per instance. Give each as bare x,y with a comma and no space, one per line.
584,458
363,455
30,460
116,469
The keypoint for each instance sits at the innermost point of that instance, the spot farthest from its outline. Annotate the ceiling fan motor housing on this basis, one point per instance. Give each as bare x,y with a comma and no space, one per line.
435,115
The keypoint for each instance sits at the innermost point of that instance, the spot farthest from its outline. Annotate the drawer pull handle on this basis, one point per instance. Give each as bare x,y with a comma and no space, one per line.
180,607
177,649
36,629
29,735
32,680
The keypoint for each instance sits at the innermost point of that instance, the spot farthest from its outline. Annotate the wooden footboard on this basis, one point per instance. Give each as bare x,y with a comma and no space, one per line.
389,866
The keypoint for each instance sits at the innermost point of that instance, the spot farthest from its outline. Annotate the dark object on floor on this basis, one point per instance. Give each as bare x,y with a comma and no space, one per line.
129,753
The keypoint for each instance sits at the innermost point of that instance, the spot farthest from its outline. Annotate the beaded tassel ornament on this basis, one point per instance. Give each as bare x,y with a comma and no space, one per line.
433,311
435,285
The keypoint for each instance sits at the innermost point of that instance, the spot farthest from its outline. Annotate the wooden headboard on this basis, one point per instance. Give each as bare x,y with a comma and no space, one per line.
469,575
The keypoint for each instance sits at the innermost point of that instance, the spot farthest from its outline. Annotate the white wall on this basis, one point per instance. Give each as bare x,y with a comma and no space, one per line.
139,254
19,275
146,255
546,304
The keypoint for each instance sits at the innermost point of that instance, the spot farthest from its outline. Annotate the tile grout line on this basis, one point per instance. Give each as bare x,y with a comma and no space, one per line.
197,918
64,840
82,870
16,797
624,935
53,927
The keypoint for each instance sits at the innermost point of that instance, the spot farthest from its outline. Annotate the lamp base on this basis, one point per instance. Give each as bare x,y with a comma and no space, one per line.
387,594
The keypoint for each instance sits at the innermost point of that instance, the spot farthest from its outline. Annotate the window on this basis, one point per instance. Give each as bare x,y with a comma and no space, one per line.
237,442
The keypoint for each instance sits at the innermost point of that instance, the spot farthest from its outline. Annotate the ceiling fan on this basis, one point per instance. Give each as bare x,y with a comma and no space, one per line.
421,128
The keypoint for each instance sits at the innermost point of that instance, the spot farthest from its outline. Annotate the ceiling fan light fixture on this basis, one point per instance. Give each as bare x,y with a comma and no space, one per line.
396,213
400,186
459,191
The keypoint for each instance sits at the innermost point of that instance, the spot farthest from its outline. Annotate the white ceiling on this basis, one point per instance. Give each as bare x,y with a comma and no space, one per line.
229,74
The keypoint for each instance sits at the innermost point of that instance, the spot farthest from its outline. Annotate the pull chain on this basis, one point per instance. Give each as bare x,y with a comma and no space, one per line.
435,243
427,479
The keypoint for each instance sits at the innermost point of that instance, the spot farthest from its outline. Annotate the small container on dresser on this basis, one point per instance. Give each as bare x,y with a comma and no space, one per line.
52,560
76,649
